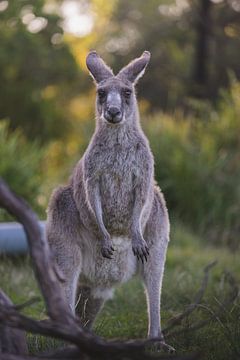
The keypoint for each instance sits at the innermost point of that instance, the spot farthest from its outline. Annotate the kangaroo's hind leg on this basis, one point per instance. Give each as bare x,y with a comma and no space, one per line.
157,237
62,222
88,306
68,260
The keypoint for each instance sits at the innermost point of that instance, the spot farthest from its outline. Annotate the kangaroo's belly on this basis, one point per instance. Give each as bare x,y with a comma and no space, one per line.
105,273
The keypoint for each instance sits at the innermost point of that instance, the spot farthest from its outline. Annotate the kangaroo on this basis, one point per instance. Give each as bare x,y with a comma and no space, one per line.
110,221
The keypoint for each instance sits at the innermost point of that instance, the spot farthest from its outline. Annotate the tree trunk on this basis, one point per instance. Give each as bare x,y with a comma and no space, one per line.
203,29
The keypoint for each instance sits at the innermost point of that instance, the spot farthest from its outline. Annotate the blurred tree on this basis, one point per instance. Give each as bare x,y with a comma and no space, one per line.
217,46
37,70
193,43
203,31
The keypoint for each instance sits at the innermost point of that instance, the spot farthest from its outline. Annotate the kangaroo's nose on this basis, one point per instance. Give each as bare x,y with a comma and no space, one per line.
114,111
113,114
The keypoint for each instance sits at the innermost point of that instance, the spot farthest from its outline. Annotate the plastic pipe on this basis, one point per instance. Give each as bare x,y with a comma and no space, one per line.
13,239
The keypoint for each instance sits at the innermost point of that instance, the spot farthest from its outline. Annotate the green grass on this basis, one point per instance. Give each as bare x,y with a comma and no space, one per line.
125,316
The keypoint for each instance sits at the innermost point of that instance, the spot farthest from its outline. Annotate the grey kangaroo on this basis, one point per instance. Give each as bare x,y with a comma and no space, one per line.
111,220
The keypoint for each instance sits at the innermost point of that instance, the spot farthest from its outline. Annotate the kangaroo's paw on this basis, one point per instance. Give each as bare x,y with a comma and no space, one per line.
107,250
140,249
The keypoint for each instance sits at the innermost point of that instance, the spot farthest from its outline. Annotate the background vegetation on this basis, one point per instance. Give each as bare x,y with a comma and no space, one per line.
189,101
189,98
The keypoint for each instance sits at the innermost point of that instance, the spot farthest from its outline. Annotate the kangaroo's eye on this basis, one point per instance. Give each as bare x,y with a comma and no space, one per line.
127,93
101,94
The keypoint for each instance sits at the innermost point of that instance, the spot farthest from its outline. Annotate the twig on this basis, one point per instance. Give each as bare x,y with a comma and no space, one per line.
27,303
178,319
215,315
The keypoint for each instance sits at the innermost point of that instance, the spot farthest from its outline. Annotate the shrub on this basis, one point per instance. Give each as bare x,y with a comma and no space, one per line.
20,166
197,166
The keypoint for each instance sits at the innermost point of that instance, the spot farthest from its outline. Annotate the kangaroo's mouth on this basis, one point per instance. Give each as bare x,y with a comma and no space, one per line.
114,121
113,118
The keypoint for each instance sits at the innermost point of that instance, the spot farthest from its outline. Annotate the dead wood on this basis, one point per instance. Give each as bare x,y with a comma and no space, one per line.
11,340
43,265
214,315
177,320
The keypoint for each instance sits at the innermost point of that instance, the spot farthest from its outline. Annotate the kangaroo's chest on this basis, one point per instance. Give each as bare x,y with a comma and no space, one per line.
116,188
117,171
117,174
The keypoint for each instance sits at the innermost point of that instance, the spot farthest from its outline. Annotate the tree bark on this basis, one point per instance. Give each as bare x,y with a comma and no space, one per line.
43,264
203,29
11,340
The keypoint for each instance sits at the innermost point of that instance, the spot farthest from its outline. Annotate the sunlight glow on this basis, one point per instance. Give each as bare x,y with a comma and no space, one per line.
176,9
78,19
37,24
3,5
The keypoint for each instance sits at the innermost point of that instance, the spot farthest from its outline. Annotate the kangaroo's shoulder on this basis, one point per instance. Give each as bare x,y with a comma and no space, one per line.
62,200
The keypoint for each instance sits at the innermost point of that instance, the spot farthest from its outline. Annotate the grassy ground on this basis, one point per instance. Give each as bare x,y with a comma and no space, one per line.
125,316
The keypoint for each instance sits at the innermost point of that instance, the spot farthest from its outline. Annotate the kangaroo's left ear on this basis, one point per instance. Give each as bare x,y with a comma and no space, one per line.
135,69
97,67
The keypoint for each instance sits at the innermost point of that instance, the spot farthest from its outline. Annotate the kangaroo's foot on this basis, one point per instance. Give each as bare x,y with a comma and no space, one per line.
159,345
140,248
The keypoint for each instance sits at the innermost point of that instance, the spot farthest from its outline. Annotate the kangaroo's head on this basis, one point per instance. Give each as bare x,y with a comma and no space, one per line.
116,100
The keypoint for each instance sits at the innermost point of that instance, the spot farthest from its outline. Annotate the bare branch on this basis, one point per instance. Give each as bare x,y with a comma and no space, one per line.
11,340
18,357
88,344
178,319
27,303
230,299
40,254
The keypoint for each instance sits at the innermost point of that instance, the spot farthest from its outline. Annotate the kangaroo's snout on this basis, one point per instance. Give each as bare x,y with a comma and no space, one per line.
113,114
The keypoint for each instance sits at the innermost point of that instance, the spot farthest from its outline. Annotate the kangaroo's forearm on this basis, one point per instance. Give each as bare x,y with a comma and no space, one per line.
136,217
94,199
139,202
139,246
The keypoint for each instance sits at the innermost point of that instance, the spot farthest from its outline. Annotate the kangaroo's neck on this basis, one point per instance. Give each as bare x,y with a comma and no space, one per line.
123,133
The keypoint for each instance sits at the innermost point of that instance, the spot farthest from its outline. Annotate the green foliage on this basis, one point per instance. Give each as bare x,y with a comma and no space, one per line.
37,70
197,166
20,165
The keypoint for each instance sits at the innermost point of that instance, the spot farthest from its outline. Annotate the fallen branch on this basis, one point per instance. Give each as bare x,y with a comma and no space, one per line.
44,269
11,340
214,315
177,320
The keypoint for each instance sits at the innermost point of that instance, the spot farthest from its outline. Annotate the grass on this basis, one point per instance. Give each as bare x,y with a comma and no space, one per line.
125,316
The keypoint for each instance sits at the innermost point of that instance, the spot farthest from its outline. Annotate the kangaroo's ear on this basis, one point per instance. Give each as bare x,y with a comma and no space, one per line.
135,69
97,67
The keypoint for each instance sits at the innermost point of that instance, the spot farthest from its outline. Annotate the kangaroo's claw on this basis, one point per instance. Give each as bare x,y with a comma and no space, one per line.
141,251
107,251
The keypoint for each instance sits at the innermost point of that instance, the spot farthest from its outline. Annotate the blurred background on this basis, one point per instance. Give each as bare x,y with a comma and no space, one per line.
189,98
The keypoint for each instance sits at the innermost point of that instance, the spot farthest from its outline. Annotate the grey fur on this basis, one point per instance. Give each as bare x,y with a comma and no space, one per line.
111,202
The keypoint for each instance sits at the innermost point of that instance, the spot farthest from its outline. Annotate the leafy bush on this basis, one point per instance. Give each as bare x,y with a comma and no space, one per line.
197,166
20,166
